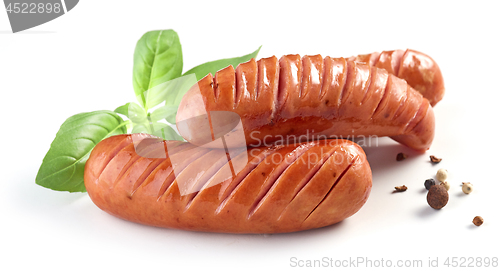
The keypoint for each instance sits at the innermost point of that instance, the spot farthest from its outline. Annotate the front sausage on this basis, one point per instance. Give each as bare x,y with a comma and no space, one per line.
418,69
275,189
297,99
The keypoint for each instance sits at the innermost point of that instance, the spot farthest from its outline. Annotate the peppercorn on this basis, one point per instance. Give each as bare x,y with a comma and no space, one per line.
437,197
478,221
446,185
401,156
435,160
442,175
401,188
428,183
467,188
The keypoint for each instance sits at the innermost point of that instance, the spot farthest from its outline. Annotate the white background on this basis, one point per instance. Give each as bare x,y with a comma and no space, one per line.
82,62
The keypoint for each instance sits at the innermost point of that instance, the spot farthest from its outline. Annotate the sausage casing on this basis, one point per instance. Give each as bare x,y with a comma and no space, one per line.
276,189
419,70
305,98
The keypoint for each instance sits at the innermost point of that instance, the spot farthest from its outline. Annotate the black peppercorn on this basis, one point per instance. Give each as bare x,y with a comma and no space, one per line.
401,156
428,183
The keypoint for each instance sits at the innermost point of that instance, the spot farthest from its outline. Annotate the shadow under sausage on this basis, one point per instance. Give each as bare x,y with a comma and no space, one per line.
382,155
201,234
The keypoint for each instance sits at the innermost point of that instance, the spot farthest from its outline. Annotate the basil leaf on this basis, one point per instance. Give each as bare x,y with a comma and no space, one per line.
170,93
136,113
167,112
166,132
182,85
157,59
213,66
63,166
141,128
123,109
158,129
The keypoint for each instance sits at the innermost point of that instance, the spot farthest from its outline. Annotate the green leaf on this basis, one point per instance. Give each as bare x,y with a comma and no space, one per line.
157,59
181,86
141,128
136,113
167,112
63,166
123,109
166,132
213,66
170,94
165,92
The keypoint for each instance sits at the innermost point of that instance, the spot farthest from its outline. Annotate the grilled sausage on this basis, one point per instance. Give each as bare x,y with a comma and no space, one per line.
419,70
305,98
275,189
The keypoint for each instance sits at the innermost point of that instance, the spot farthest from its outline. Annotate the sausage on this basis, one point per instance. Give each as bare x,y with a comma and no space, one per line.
296,99
418,69
277,189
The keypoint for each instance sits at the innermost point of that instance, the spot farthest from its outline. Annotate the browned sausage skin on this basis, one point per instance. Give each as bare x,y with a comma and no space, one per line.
279,189
418,69
308,98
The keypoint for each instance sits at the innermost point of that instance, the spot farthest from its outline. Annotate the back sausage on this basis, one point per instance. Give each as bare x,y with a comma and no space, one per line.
419,70
305,98
276,189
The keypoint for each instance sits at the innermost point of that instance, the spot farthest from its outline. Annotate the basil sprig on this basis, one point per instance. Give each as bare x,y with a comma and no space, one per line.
159,86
